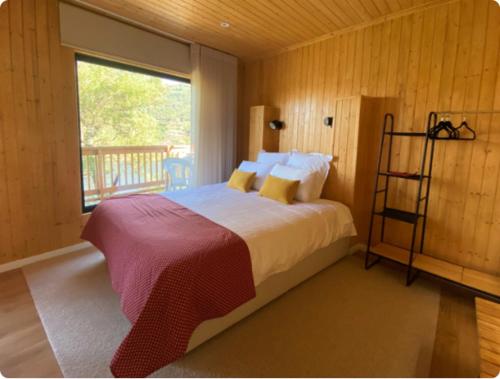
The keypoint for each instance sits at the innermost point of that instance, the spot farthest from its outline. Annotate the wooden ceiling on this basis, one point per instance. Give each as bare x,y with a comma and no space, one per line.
257,27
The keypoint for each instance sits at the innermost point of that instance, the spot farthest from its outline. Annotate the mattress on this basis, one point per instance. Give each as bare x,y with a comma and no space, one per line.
278,235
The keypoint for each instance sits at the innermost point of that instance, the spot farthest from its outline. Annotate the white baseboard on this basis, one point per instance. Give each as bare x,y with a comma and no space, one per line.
42,257
357,247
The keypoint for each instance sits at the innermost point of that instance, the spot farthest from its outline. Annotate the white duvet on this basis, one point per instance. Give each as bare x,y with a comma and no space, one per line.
277,235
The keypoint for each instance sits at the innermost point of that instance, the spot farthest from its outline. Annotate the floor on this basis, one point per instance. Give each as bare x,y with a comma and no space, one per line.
25,351
24,348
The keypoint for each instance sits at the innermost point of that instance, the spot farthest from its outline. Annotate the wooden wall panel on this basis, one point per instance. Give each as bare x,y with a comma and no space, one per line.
441,58
39,153
261,137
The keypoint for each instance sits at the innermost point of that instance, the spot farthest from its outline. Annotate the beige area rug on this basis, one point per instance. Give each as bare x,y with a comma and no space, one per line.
344,321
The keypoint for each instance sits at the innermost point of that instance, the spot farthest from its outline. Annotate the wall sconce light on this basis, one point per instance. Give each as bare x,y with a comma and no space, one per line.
276,124
328,121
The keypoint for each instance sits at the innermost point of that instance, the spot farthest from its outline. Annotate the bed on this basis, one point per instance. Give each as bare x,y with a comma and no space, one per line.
286,245
291,232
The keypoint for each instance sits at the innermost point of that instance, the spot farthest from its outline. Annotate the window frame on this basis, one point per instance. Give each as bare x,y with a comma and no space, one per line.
79,57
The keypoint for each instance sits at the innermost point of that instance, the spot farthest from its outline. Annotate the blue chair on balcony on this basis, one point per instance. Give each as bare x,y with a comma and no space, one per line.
179,172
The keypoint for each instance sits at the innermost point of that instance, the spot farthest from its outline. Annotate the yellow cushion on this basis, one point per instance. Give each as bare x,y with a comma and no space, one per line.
241,180
283,190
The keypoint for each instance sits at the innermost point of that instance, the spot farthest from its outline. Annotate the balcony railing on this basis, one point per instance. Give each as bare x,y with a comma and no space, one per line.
124,169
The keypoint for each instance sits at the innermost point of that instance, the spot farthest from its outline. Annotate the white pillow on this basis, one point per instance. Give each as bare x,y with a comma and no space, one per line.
261,171
272,158
316,162
307,187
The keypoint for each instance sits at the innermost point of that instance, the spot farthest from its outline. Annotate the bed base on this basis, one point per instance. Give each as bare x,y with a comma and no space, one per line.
272,288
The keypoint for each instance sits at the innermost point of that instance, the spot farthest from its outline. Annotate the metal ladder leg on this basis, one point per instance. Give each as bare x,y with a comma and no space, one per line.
410,276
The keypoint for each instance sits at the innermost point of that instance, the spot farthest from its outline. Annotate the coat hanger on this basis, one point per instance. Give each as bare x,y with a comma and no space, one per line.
446,125
465,125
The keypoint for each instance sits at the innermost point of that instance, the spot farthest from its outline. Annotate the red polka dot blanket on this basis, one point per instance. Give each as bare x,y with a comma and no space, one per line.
173,269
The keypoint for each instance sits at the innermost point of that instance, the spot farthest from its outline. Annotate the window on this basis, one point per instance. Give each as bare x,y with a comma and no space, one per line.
135,130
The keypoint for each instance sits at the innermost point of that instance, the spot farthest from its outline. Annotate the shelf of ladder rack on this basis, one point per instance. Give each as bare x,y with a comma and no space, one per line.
470,278
397,214
403,175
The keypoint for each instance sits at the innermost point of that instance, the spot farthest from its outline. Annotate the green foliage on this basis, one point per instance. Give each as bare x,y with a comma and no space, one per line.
122,108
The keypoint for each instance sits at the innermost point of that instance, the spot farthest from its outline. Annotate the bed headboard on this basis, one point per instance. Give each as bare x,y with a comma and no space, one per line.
353,142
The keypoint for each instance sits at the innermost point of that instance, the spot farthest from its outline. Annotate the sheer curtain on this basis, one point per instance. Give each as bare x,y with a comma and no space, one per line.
214,102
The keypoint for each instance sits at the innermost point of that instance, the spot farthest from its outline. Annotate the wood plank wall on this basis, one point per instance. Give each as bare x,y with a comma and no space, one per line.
39,153
439,58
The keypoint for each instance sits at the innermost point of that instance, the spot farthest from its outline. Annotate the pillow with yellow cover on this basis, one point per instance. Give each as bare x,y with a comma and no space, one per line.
279,189
241,180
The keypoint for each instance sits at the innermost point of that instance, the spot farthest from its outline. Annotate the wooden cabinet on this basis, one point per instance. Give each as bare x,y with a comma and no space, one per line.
354,139
262,137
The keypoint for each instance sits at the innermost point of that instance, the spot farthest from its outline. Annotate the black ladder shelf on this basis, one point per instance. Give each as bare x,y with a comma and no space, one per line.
483,284
413,217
